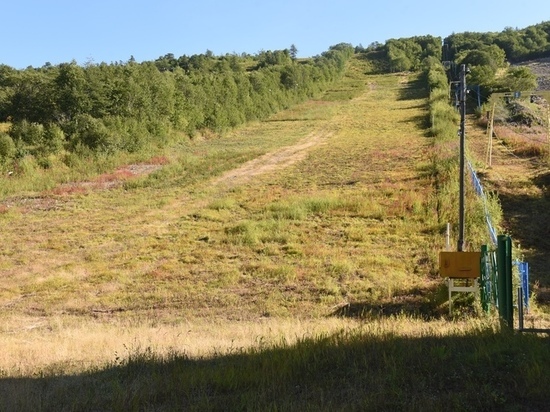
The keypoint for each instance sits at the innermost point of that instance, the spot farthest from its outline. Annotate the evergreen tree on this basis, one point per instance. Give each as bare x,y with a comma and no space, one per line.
293,52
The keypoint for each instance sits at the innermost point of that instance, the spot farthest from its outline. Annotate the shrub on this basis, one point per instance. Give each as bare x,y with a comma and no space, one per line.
54,139
30,133
28,166
7,147
93,134
131,134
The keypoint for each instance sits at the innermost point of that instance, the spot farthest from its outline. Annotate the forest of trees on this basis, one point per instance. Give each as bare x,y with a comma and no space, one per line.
487,54
123,106
518,44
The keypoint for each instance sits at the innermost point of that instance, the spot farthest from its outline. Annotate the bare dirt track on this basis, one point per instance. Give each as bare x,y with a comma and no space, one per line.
269,162
272,161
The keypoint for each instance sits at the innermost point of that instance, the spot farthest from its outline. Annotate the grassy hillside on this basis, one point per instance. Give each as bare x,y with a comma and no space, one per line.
287,265
335,213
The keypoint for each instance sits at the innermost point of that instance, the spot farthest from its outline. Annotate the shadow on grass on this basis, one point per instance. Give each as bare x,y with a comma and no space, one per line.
528,222
428,303
421,121
272,120
414,90
377,60
365,369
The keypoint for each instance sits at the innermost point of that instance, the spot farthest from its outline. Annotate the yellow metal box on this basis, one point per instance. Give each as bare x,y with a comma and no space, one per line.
460,264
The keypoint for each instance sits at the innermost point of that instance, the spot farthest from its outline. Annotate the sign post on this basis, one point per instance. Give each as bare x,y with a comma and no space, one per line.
464,267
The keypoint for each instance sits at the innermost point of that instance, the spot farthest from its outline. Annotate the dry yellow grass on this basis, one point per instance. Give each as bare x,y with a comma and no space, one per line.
4,127
32,346
338,216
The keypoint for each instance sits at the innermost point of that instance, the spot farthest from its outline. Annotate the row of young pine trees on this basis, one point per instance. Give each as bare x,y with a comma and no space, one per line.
126,105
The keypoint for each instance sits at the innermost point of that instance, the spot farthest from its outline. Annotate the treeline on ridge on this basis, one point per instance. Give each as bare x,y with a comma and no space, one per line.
488,56
125,106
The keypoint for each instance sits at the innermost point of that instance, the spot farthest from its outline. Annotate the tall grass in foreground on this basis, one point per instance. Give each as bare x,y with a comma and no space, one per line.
380,366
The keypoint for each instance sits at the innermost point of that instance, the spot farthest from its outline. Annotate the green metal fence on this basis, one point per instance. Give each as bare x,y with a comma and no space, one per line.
496,279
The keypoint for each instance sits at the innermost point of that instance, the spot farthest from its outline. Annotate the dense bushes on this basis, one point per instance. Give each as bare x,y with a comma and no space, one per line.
517,44
408,54
7,146
488,56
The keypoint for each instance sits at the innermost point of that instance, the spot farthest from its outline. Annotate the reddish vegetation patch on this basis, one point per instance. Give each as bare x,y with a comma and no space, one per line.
50,200
116,176
68,189
524,141
158,160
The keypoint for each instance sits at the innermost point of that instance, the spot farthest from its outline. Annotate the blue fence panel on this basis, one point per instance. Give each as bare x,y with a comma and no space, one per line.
524,277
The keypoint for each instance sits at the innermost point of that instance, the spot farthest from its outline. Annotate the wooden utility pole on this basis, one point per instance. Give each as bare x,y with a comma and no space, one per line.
489,158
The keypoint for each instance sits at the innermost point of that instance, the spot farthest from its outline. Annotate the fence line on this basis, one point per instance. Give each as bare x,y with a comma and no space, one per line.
489,275
479,190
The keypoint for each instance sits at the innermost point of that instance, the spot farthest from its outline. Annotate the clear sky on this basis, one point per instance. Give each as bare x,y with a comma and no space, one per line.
33,32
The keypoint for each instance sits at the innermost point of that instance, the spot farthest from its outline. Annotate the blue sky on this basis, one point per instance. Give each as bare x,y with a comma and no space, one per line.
34,32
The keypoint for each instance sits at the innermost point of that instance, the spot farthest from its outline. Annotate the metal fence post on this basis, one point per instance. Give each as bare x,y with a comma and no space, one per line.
504,280
484,279
509,286
520,308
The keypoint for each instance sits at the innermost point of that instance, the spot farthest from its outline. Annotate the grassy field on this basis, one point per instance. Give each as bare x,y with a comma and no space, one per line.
289,265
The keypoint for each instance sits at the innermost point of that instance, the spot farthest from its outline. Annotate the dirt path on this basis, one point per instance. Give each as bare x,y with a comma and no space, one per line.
273,161
270,162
